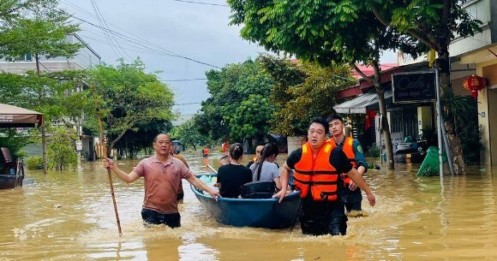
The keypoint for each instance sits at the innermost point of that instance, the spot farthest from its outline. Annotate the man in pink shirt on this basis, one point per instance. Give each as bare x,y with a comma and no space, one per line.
162,174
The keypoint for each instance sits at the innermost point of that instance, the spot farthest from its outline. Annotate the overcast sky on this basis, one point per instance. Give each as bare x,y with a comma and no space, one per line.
152,29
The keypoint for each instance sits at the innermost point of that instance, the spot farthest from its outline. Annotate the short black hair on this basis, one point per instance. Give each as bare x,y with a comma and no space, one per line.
322,121
334,117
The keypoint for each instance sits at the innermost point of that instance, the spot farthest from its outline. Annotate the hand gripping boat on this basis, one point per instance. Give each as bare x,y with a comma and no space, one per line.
250,212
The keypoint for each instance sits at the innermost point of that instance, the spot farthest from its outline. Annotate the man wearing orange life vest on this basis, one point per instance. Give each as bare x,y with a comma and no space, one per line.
351,195
317,167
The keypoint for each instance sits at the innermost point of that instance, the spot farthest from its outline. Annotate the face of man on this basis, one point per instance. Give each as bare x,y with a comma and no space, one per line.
316,135
336,127
162,145
258,150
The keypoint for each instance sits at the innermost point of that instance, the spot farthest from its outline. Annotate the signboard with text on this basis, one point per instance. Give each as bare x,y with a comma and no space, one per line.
413,87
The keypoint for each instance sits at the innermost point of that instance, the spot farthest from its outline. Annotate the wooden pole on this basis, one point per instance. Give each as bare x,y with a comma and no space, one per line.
104,146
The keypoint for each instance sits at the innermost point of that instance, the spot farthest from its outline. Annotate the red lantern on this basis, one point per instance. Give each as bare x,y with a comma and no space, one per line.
474,83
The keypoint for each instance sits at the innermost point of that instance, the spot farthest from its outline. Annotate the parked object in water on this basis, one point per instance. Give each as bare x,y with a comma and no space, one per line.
11,173
250,212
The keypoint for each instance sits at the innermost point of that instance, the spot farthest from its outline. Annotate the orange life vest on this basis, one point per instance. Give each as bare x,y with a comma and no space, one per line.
316,175
348,149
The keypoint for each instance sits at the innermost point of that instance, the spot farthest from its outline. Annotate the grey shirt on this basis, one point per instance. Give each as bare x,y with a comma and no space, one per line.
269,171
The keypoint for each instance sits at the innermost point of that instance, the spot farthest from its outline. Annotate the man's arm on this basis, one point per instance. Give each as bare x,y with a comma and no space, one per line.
360,161
362,165
126,177
201,185
357,178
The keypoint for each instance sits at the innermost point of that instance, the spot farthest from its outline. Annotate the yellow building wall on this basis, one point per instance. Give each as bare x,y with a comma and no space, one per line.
425,118
487,112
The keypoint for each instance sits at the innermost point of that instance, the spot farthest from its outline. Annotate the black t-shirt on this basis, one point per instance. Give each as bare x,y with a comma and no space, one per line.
338,159
232,177
250,164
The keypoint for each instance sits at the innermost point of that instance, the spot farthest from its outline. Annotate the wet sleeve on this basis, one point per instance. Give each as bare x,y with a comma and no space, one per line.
185,173
294,158
340,161
359,155
140,168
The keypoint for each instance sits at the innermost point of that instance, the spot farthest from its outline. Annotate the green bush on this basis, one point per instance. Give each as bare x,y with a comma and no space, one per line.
373,151
34,162
62,149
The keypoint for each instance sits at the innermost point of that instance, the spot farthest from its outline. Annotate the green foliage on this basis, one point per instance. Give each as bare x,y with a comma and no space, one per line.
141,136
62,149
373,151
40,30
302,91
128,96
426,17
14,141
462,111
188,134
34,162
239,105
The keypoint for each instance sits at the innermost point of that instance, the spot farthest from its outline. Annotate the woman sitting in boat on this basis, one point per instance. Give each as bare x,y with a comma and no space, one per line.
265,168
231,177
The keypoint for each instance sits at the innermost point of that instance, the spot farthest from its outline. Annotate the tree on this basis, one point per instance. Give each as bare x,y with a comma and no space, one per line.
41,30
324,31
433,24
188,134
128,96
140,137
239,105
302,91
59,102
62,149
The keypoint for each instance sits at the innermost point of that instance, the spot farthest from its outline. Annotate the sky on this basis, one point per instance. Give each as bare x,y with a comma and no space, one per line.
179,39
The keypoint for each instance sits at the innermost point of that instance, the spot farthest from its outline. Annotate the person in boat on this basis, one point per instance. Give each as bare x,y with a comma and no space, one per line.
317,167
265,168
258,150
162,173
175,153
231,177
351,194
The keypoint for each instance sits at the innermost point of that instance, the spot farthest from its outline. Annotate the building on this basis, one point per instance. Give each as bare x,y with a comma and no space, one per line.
469,55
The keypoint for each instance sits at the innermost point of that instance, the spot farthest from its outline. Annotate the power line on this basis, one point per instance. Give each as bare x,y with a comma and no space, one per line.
200,3
158,49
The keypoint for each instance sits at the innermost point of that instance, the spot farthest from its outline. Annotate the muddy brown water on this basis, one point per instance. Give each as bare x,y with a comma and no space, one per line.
69,216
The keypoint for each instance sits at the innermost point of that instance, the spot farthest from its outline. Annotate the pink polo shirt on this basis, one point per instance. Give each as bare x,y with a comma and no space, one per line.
162,183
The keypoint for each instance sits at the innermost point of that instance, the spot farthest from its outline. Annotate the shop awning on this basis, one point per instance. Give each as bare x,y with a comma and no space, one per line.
12,116
362,104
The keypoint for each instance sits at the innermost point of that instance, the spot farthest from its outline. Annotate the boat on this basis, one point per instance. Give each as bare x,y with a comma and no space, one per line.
250,212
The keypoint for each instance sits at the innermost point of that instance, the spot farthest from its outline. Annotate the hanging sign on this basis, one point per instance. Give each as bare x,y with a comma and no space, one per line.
413,87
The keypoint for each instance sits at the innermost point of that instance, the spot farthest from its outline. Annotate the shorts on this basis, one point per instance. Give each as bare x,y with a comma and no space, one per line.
155,218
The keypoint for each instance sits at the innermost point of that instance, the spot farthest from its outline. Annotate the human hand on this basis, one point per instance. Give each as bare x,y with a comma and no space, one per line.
352,185
371,199
109,164
281,194
214,194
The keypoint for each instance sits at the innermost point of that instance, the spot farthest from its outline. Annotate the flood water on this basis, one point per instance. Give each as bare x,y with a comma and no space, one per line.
69,216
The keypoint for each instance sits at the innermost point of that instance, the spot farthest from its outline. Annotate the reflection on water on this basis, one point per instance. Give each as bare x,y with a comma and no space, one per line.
69,215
